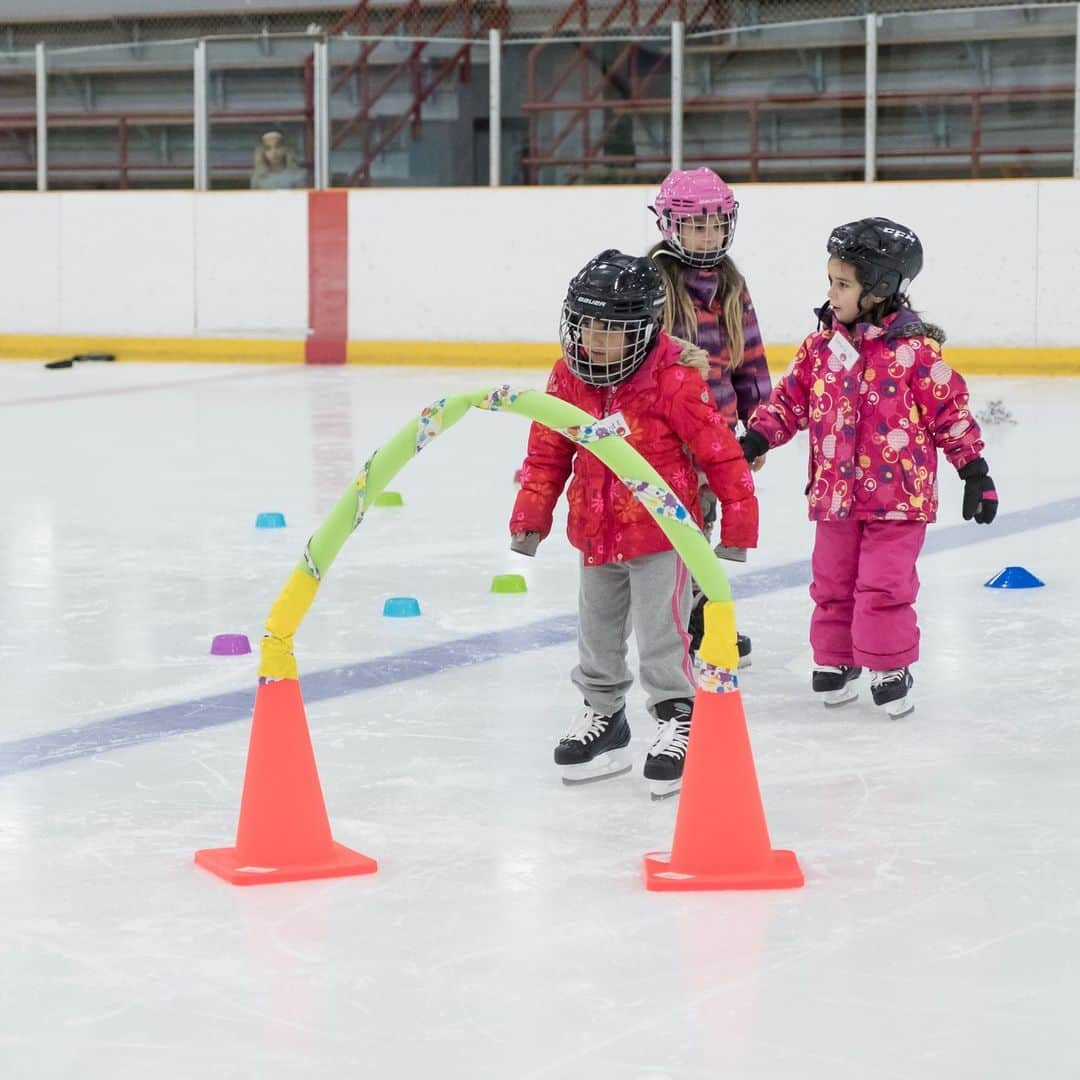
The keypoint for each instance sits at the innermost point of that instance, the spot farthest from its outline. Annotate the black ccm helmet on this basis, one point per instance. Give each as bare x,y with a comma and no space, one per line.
886,255
611,317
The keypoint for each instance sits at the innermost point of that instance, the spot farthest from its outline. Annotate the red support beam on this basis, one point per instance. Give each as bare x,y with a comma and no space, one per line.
328,277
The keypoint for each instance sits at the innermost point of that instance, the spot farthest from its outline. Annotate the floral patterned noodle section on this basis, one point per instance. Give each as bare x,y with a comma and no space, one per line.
429,423
502,397
361,493
660,501
715,680
309,563
610,426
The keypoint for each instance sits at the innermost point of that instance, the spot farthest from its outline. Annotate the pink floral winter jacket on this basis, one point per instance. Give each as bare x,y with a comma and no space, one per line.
878,404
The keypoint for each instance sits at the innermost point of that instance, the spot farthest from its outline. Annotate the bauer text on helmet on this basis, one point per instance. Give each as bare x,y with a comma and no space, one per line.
611,317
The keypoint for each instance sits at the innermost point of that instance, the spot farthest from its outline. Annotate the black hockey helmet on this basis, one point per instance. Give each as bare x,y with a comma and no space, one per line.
611,317
886,255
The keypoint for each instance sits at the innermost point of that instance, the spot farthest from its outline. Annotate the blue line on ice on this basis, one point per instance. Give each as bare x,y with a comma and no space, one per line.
148,725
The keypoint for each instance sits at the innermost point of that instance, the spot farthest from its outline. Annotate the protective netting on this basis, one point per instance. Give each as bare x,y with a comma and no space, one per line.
76,23
772,89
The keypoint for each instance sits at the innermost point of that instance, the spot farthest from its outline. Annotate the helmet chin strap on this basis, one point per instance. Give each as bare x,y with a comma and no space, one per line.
868,290
715,262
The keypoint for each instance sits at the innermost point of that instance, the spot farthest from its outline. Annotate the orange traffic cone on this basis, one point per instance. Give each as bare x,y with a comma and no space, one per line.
284,833
721,839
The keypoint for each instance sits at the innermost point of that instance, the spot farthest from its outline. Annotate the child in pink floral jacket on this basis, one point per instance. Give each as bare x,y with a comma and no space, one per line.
879,402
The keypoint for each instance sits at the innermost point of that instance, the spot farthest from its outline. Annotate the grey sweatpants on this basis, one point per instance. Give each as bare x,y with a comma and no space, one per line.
651,596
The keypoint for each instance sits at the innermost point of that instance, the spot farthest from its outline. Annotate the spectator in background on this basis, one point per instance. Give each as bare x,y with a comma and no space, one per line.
275,164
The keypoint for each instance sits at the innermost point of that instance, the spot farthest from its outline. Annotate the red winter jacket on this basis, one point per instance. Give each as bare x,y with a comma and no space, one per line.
670,413
879,404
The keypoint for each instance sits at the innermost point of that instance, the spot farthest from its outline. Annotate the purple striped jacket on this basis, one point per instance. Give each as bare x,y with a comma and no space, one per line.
737,393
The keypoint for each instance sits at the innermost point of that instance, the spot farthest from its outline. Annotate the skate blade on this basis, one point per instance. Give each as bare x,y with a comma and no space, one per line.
613,763
897,710
745,662
837,699
660,790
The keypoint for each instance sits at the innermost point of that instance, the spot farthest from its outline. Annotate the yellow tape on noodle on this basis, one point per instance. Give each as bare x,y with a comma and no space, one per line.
286,615
718,646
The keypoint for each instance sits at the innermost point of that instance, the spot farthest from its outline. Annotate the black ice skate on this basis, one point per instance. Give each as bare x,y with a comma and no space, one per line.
665,760
594,747
890,690
835,684
743,642
696,629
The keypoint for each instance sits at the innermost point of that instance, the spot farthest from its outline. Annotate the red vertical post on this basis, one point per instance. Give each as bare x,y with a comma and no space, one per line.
328,277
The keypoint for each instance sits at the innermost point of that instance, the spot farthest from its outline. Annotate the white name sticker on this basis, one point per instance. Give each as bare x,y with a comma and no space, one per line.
843,350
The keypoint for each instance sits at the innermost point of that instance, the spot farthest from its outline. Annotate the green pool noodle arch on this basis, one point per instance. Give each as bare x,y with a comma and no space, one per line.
598,436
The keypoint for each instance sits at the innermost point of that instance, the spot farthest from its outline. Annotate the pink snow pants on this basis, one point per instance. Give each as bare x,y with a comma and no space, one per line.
864,589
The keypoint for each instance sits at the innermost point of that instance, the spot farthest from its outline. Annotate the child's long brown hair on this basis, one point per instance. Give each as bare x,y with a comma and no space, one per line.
884,308
679,315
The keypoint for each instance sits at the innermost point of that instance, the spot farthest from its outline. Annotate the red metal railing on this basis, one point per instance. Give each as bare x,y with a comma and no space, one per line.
593,92
412,19
631,82
976,151
122,167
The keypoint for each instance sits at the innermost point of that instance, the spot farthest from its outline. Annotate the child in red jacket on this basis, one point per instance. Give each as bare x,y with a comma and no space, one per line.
879,402
619,365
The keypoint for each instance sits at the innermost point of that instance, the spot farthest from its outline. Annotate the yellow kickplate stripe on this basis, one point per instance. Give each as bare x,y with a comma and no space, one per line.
483,354
975,360
968,360
149,350
1034,361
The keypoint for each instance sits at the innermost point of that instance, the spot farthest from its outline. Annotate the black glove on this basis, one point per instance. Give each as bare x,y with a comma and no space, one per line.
708,508
753,444
980,498
696,626
525,543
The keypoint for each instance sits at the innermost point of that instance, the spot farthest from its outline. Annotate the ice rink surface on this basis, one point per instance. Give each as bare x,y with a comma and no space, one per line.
508,934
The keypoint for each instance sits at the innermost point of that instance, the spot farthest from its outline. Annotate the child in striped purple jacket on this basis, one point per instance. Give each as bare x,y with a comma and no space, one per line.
708,303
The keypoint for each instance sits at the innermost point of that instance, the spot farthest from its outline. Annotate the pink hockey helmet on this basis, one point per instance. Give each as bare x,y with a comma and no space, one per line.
696,193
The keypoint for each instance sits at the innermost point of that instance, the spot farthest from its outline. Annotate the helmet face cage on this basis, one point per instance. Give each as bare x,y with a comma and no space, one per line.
602,350
715,227
694,204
